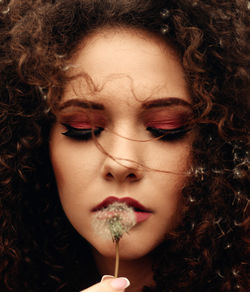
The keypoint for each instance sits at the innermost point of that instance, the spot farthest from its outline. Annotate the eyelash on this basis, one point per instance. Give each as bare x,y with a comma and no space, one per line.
162,134
81,134
168,135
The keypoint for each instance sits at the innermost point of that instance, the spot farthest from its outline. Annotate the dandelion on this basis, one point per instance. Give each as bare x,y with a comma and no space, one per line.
113,221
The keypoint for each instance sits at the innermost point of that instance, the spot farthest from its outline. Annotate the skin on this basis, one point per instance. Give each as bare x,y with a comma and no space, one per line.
109,284
128,69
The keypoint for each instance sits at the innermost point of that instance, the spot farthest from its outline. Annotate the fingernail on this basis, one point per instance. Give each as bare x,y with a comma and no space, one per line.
104,277
120,283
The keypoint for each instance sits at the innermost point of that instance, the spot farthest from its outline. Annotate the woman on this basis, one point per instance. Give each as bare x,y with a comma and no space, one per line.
142,102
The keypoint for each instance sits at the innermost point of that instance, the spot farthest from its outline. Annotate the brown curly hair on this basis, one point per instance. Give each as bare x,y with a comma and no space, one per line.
39,249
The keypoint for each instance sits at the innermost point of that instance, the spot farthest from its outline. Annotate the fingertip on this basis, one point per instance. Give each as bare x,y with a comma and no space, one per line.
120,283
105,277
108,284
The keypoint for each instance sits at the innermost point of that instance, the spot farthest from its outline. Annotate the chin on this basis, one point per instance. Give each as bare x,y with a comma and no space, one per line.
129,248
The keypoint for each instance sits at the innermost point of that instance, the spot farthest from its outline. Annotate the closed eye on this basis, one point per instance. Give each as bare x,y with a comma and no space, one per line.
82,134
169,134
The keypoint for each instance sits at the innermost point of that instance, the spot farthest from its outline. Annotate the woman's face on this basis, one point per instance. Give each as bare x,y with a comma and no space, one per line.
135,92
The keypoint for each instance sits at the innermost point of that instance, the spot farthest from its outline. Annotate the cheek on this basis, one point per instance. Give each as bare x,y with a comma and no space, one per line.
70,160
175,157
169,185
74,172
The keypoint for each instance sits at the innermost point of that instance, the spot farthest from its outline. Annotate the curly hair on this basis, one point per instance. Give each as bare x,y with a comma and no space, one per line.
38,247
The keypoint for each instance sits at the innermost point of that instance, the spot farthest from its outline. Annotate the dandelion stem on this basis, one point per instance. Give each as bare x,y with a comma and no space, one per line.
116,258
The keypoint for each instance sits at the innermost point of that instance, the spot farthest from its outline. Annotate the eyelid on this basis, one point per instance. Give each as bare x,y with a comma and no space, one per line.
83,134
168,125
70,126
82,123
78,125
167,115
169,134
91,127
81,116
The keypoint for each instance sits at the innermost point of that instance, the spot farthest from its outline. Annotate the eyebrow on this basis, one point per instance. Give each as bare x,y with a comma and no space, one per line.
82,104
160,102
167,101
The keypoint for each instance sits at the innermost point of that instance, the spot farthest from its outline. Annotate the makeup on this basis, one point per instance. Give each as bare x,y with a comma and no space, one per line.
168,124
82,134
141,212
82,125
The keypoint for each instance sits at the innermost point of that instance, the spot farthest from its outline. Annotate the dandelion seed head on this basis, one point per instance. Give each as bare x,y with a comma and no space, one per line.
114,220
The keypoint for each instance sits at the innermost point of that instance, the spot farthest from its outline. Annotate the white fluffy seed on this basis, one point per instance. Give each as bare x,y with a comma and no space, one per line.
114,220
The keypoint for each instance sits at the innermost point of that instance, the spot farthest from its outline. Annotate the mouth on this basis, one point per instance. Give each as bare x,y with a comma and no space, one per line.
141,212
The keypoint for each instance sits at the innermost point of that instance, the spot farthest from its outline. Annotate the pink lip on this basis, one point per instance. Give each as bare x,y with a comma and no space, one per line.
140,211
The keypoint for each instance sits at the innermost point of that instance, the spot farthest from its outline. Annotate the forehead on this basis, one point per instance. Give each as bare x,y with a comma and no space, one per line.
127,62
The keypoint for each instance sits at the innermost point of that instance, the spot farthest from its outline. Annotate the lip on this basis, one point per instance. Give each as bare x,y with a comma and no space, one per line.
129,201
141,212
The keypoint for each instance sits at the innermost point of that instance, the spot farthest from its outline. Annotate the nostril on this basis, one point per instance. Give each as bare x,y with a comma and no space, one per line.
109,175
121,173
131,175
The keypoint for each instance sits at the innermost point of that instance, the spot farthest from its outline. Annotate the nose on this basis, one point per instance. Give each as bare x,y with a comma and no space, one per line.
122,163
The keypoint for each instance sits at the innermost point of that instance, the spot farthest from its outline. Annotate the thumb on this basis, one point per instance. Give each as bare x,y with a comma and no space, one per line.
110,285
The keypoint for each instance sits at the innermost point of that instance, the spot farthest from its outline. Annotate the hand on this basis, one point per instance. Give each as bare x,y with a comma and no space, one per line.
109,284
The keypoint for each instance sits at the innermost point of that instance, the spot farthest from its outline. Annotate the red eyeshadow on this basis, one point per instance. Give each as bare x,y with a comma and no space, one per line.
170,124
82,120
80,125
166,120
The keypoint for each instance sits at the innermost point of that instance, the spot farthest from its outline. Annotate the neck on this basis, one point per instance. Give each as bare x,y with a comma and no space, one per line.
139,271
